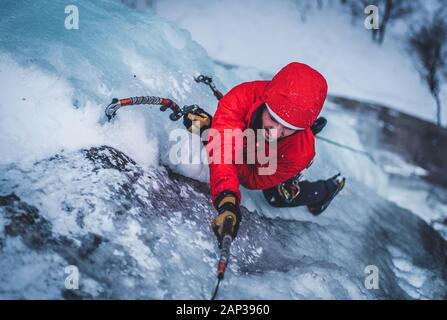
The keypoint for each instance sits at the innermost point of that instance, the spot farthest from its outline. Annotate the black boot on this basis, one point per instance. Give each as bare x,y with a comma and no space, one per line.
334,186
318,125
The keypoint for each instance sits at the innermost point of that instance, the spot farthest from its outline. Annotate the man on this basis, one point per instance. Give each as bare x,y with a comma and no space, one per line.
286,108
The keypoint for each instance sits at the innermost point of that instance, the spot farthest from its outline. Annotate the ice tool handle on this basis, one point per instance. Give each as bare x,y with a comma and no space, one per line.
164,104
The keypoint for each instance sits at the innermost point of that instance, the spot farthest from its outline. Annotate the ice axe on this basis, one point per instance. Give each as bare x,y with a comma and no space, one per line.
164,104
224,253
209,82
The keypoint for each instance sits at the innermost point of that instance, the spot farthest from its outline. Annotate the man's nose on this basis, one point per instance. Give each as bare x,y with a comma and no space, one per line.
279,131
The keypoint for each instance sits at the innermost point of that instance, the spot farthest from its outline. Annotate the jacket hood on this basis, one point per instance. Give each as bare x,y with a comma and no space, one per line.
296,95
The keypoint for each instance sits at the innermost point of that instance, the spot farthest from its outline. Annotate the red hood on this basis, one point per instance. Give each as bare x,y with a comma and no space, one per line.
296,94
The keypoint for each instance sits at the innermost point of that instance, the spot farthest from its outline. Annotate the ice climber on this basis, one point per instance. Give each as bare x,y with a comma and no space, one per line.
287,108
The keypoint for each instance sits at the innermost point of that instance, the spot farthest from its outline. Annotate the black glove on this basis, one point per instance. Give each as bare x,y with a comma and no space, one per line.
318,125
197,121
227,207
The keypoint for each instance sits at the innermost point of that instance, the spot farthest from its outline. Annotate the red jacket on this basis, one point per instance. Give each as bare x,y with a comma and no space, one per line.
295,152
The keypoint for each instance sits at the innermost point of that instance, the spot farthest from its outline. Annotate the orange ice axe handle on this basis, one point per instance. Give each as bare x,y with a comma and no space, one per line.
164,104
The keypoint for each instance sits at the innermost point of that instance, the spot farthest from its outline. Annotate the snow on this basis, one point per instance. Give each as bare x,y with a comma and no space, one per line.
405,269
37,119
58,81
268,35
146,242
56,84
32,272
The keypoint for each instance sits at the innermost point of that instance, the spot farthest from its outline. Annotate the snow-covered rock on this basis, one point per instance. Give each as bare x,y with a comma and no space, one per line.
144,234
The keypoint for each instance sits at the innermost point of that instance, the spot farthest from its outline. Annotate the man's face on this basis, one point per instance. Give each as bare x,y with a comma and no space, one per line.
273,129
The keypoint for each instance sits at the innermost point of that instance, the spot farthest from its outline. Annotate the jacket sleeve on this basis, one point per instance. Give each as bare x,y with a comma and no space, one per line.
230,114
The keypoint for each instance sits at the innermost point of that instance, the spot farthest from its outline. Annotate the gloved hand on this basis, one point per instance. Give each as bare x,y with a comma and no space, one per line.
227,206
197,121
318,125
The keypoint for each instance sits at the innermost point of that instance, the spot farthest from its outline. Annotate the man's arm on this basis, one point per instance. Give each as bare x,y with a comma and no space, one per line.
230,115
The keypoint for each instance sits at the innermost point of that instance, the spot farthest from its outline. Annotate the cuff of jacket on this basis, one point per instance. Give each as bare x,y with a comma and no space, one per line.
224,194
